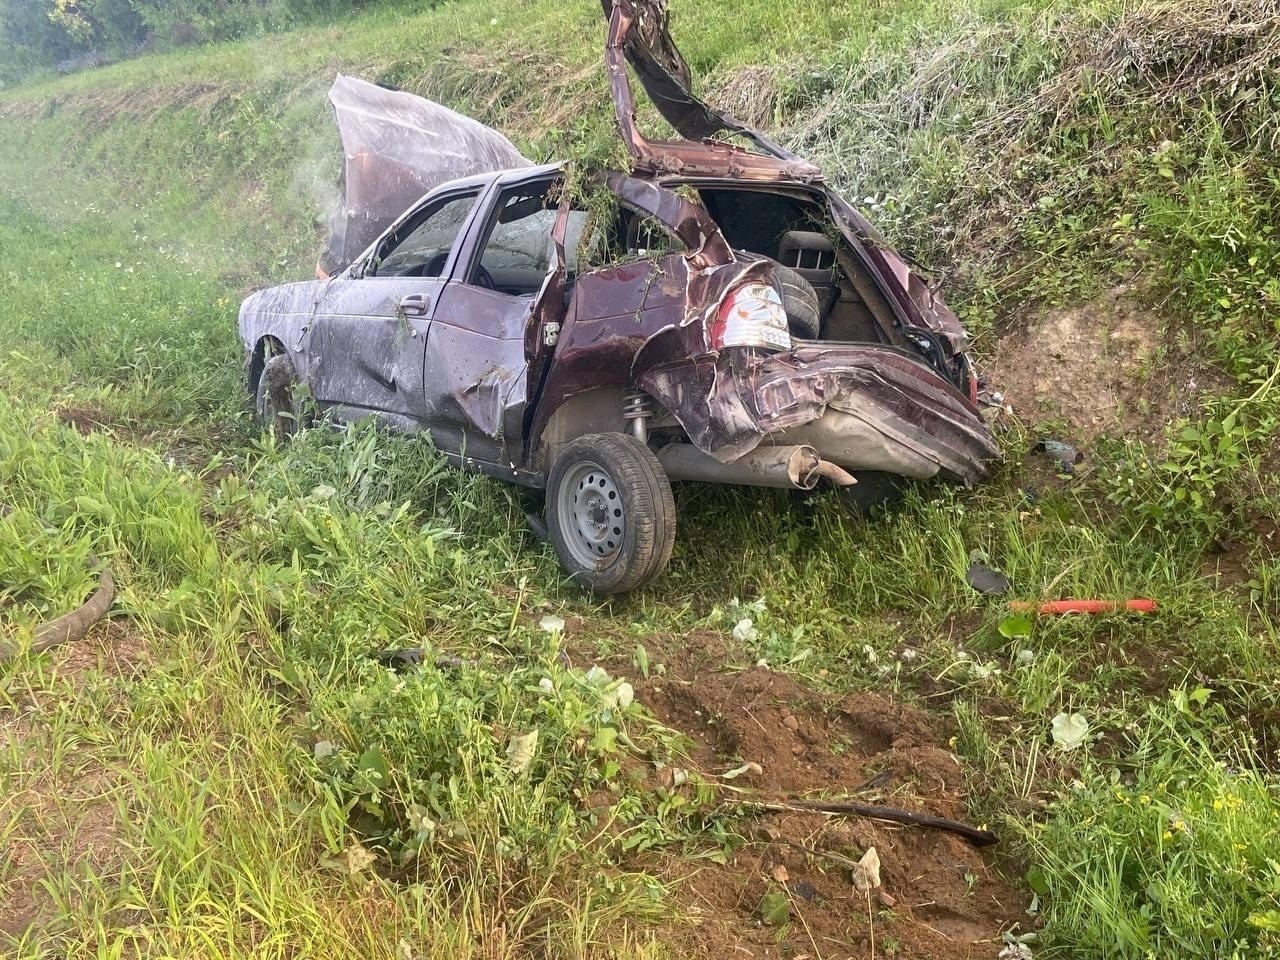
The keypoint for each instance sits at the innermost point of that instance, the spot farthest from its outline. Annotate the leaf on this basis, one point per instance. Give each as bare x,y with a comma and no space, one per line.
1016,626
620,696
356,859
1037,881
1069,730
866,872
749,767
605,740
1268,921
374,765
774,909
641,660
521,749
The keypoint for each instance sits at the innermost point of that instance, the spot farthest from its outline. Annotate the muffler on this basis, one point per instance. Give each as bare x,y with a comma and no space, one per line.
795,467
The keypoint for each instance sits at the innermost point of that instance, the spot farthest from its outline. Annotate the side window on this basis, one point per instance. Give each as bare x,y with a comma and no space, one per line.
517,253
420,248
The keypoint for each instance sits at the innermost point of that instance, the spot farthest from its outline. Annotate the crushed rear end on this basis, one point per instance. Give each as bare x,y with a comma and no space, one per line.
886,385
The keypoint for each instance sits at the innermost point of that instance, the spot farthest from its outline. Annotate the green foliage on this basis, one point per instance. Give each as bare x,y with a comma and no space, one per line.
1180,859
71,34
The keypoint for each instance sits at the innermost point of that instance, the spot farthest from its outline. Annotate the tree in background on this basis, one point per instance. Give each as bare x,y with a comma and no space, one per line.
69,34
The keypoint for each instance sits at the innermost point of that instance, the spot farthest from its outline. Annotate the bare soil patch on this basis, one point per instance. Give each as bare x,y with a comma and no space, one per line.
1103,367
940,896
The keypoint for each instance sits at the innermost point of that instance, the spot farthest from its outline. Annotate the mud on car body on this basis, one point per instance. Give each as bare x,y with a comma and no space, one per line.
724,317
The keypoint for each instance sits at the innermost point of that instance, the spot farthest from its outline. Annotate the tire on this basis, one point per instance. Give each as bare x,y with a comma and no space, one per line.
610,513
273,401
799,299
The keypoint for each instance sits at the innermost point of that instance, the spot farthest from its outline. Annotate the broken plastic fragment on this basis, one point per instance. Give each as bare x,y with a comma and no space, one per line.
520,750
985,580
744,631
552,624
866,872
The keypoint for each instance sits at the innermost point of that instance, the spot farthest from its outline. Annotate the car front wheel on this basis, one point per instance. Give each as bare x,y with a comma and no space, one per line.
610,513
274,402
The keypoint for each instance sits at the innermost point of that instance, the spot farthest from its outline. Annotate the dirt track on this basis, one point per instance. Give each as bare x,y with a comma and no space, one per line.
940,897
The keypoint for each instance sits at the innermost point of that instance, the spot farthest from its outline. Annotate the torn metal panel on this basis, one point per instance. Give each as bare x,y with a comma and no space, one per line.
638,34
863,407
687,220
396,148
923,307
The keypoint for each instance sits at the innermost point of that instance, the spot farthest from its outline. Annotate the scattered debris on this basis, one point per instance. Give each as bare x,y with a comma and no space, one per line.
537,527
975,835
1064,455
70,626
408,658
552,624
989,582
744,631
521,749
866,872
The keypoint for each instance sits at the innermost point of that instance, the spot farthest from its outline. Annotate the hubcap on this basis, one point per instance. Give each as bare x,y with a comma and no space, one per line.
591,515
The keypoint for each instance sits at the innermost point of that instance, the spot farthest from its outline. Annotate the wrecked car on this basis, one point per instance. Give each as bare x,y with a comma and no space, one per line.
717,313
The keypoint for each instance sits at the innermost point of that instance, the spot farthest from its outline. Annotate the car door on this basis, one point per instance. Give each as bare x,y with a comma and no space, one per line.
477,357
372,322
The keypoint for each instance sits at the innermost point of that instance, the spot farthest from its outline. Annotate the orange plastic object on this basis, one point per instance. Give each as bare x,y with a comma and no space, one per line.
1085,606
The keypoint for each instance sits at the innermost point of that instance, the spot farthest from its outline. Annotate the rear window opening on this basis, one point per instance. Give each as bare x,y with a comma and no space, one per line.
799,233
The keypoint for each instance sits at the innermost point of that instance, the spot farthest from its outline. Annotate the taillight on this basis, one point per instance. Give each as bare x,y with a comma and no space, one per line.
751,316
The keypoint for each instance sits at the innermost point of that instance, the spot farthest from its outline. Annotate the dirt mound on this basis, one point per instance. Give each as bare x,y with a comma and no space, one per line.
939,897
1098,368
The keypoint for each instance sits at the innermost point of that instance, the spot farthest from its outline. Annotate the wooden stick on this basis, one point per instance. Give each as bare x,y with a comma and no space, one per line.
873,811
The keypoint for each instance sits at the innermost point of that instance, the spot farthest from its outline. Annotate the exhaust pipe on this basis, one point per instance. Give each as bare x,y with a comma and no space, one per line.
793,468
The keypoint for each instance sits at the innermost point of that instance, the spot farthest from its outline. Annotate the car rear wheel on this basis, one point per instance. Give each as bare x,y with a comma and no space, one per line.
610,513
273,402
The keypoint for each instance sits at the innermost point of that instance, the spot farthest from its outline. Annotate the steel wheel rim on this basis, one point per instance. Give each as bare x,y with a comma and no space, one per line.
592,519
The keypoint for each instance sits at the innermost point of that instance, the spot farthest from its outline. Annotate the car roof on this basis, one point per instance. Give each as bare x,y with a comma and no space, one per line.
502,177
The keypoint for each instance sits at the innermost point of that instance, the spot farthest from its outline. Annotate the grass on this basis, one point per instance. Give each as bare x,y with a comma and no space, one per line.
248,781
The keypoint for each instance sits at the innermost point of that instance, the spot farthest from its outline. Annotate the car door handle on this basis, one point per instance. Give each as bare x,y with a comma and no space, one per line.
414,305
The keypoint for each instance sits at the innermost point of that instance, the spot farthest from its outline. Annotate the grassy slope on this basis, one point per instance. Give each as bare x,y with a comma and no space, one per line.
142,200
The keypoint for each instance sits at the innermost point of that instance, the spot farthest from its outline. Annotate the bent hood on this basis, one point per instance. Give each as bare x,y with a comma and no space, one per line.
396,147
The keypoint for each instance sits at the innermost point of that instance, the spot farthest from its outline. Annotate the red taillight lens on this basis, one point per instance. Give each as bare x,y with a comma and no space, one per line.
751,316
